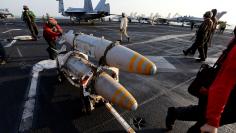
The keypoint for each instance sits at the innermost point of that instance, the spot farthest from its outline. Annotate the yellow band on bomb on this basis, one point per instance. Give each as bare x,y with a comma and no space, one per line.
132,61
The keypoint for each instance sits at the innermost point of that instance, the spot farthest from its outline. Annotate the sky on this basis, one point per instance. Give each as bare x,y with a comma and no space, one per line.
163,7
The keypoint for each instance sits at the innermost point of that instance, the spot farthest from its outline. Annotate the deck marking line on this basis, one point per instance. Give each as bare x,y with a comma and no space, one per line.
27,115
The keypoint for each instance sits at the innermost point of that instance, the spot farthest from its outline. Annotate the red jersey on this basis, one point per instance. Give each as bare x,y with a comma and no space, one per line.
221,88
51,33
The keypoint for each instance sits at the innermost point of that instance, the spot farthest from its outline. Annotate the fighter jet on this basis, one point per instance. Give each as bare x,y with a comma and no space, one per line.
4,13
189,19
87,13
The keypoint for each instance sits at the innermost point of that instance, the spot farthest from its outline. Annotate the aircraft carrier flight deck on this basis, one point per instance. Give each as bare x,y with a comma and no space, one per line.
57,106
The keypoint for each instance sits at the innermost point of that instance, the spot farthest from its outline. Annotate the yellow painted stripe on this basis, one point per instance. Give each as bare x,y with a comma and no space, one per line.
121,101
148,68
131,130
126,95
117,92
140,64
132,61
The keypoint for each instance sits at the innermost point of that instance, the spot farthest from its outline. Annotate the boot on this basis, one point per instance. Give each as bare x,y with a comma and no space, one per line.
2,62
196,127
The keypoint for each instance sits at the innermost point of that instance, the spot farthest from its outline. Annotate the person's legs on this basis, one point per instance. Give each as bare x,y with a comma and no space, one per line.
35,29
210,39
2,52
2,55
201,53
196,127
202,104
121,35
31,30
126,35
188,113
205,49
191,49
52,53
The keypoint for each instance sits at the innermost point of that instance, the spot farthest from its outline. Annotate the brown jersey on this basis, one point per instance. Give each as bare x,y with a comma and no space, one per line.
204,31
215,22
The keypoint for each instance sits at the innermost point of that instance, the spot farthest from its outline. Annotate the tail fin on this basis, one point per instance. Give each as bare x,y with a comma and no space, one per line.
131,14
61,6
169,15
88,5
107,8
151,16
100,5
103,7
220,14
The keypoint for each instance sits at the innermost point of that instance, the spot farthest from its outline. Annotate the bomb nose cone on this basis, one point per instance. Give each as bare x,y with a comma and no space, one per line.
153,69
114,92
129,60
134,106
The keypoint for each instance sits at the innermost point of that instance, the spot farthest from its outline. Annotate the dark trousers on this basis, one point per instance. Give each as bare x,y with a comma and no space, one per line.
205,49
51,49
33,29
201,51
2,52
192,49
197,113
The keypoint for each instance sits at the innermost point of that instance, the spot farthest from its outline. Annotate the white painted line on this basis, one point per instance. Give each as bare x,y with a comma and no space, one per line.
20,54
119,118
110,29
23,38
10,30
10,44
161,38
27,116
184,40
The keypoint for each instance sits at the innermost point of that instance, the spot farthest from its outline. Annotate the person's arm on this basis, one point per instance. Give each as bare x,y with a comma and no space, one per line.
59,29
22,16
121,23
50,32
221,88
31,16
235,30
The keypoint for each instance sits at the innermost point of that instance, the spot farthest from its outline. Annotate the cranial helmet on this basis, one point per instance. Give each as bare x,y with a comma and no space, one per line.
123,14
25,7
208,14
52,21
214,11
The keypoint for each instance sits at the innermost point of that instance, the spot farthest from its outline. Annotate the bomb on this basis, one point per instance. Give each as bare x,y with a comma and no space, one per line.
110,53
81,72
